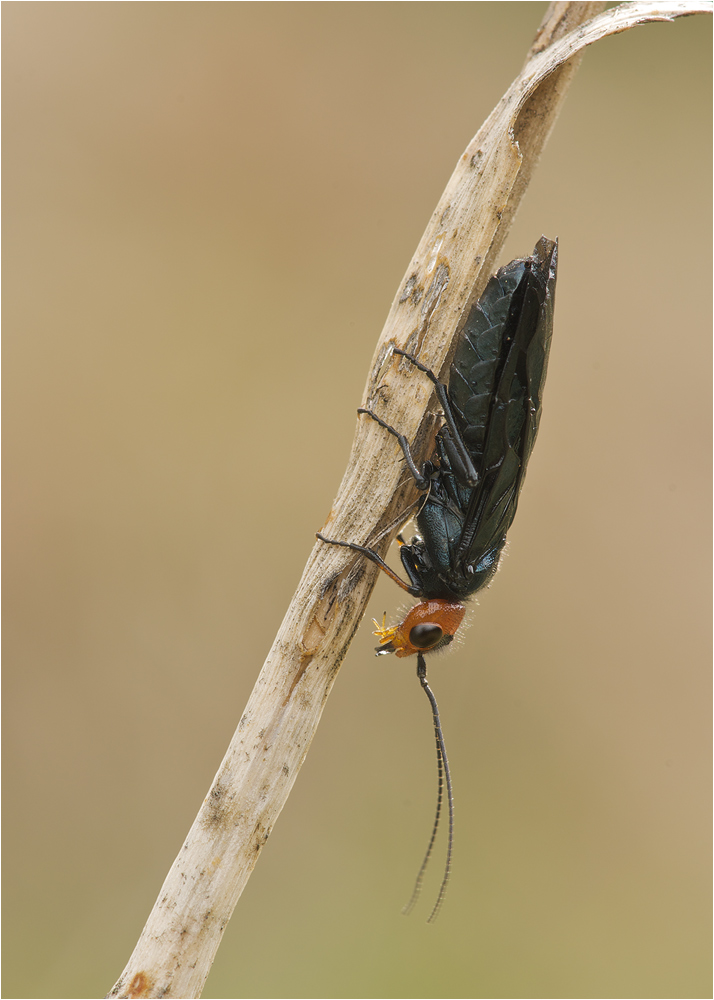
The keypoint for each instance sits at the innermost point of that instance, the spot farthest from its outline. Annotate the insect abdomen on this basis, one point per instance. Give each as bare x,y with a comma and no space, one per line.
495,388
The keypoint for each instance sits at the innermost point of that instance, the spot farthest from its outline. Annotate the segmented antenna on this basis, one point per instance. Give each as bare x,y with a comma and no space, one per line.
443,767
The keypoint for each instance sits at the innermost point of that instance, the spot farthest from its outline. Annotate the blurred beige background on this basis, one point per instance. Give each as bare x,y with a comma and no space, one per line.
208,208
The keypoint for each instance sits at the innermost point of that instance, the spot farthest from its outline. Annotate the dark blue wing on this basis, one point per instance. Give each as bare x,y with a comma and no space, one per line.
495,387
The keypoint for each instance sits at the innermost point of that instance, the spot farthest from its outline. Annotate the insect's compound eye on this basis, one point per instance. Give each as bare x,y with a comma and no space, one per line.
425,635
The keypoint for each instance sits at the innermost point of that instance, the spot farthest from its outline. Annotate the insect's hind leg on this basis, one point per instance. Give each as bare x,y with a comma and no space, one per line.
421,480
456,441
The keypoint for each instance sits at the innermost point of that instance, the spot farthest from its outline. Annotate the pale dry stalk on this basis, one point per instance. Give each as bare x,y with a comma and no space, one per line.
448,271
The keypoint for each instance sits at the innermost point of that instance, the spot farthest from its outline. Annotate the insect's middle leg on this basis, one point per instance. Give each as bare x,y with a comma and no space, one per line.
421,480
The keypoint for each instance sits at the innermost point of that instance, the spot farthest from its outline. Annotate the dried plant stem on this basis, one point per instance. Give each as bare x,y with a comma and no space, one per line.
448,271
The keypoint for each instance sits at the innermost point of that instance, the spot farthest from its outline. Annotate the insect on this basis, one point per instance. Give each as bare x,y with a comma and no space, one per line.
472,482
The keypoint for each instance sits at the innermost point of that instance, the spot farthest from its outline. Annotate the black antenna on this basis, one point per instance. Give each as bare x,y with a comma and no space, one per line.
443,766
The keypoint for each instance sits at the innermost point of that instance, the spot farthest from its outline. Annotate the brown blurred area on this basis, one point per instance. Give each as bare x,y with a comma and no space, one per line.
208,209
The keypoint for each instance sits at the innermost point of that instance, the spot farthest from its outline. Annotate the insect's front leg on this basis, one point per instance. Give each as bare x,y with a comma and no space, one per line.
414,589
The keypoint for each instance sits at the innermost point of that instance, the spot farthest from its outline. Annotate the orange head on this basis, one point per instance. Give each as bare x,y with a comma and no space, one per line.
427,626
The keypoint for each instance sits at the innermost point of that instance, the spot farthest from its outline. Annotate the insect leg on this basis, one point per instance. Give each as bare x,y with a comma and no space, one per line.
371,554
456,440
421,481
